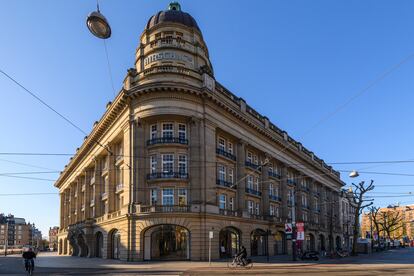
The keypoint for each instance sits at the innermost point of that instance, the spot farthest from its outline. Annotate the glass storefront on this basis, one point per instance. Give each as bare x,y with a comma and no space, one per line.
169,242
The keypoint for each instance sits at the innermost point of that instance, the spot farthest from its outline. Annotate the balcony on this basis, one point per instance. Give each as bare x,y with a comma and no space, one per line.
165,209
167,140
224,183
255,216
230,213
318,194
226,154
305,189
291,182
167,175
92,202
83,207
274,175
253,192
273,218
253,166
119,188
306,207
275,198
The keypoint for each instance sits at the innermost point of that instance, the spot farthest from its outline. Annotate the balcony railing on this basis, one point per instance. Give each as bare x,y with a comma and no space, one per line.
165,209
318,194
226,212
226,154
253,166
104,196
253,192
304,206
167,175
274,175
275,197
167,140
224,183
291,182
255,216
273,218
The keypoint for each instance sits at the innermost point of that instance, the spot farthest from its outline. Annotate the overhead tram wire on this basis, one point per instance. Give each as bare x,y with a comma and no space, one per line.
50,107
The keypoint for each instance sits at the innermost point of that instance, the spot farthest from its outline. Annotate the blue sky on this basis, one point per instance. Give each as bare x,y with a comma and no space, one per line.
293,61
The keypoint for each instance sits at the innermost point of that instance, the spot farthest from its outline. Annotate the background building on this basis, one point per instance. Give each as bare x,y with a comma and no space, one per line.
14,232
176,156
404,222
53,238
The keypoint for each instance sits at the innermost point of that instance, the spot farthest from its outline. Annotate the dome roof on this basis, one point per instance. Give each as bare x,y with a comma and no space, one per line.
173,14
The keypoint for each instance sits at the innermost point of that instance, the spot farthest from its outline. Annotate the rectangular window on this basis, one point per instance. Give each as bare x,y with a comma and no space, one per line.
167,130
182,164
230,147
257,208
222,144
153,132
153,161
230,177
168,196
154,196
182,197
270,188
255,159
305,216
272,210
167,163
250,182
222,173
249,157
290,213
250,207
270,168
222,201
256,184
304,200
277,211
231,204
182,132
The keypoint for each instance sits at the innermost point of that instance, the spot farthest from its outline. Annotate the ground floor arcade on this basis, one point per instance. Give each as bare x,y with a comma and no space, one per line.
168,237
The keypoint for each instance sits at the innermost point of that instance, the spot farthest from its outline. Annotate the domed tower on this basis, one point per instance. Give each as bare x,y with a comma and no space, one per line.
172,48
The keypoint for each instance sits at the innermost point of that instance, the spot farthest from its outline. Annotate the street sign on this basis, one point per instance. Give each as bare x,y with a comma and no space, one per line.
288,236
300,231
288,228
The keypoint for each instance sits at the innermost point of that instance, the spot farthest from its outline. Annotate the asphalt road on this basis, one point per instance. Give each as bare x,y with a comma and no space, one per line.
393,262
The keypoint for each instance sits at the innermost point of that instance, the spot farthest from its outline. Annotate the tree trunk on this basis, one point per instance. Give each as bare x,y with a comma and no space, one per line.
356,232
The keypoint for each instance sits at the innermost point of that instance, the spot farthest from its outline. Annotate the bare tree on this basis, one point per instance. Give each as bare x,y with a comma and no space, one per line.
391,221
359,202
375,218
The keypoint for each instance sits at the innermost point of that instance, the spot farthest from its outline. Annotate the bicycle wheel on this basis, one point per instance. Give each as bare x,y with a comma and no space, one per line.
249,265
231,264
30,270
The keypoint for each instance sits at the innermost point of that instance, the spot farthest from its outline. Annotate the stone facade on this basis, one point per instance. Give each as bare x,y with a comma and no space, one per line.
176,155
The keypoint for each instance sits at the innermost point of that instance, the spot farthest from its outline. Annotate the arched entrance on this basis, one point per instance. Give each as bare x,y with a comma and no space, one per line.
65,246
258,242
98,245
280,243
167,242
321,243
60,246
338,244
310,242
83,248
229,239
114,244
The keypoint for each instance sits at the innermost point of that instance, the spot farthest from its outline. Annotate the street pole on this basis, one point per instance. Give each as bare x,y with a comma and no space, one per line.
210,236
5,238
294,225
372,238
267,243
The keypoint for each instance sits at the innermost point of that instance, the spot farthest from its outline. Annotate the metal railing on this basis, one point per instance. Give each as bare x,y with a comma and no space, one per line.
165,209
167,175
226,212
275,197
291,182
226,154
274,175
253,192
253,166
224,183
167,140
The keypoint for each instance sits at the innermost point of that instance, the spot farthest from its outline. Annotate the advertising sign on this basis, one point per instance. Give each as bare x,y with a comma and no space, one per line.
300,231
288,228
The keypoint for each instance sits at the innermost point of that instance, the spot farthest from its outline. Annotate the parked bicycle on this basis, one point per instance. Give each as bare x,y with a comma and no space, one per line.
236,262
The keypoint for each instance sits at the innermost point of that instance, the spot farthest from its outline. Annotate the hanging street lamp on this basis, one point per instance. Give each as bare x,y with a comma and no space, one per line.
98,25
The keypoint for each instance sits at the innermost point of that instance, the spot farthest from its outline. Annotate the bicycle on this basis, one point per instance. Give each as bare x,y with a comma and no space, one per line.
236,262
29,265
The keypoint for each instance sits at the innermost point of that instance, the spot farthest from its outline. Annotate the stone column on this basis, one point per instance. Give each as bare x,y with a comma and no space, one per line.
87,198
210,171
265,190
284,192
140,162
62,209
97,174
126,169
196,160
241,178
111,180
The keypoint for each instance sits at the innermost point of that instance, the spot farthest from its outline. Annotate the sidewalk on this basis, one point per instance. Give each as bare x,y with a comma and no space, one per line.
52,260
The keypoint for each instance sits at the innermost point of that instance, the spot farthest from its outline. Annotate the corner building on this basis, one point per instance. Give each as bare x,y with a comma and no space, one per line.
176,155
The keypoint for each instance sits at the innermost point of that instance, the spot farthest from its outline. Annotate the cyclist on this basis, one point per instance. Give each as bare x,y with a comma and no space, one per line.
28,256
241,256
